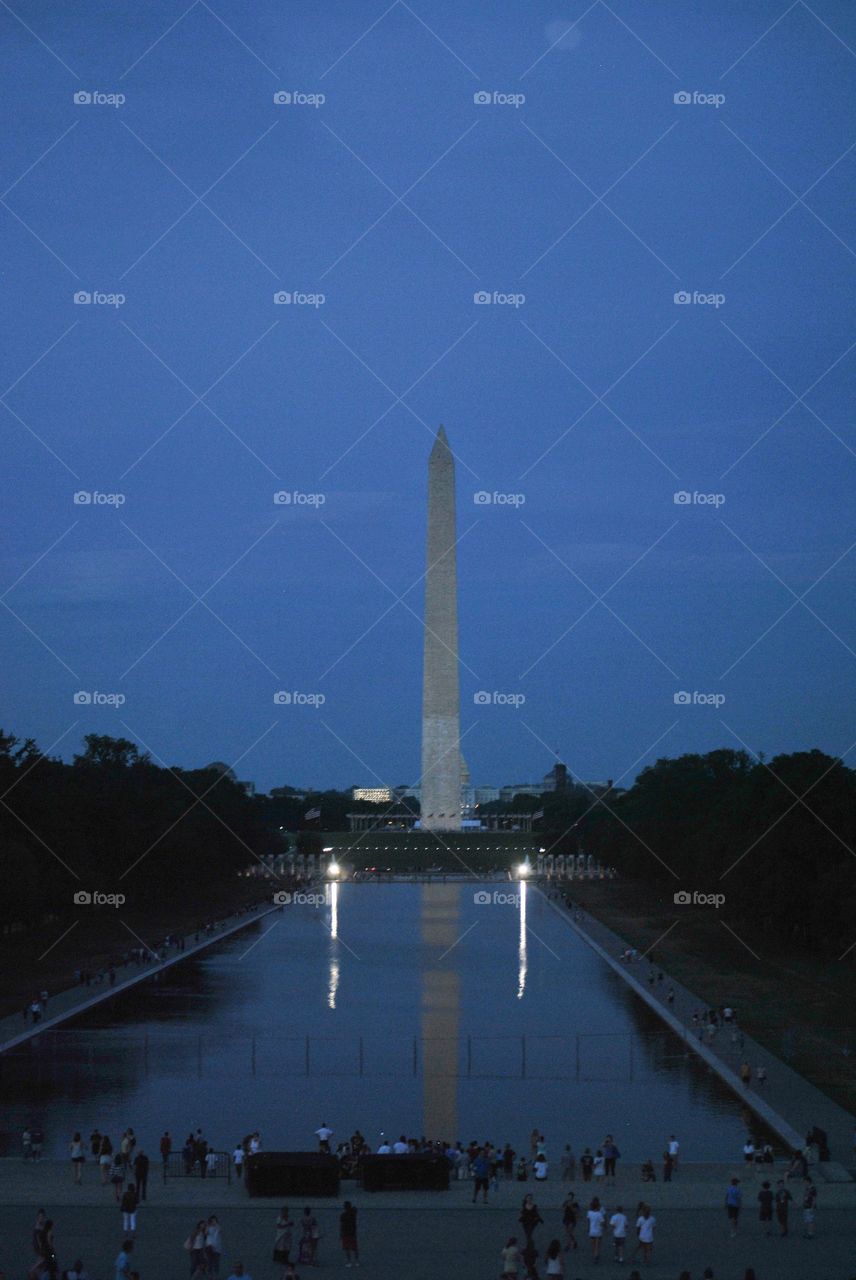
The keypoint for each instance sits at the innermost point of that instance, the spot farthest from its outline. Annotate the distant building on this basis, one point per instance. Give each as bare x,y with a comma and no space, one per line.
557,779
486,795
374,795
520,789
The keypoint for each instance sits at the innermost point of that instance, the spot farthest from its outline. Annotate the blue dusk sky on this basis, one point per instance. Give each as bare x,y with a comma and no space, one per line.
610,246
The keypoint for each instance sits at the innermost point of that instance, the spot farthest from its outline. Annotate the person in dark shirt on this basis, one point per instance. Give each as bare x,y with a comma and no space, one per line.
765,1208
141,1174
348,1234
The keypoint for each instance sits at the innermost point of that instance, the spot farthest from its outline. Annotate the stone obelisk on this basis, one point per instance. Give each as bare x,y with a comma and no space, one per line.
441,706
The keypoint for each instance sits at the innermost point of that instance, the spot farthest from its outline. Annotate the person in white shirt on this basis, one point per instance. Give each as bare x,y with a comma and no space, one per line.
596,1219
618,1223
255,1144
400,1148
645,1224
540,1168
599,1167
238,1160
324,1134
673,1148
211,1163
384,1149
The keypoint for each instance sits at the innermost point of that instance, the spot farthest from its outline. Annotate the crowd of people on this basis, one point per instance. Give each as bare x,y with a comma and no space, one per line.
601,1220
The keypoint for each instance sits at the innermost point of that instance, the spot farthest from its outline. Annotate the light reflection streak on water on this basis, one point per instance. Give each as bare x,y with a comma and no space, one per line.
521,945
333,982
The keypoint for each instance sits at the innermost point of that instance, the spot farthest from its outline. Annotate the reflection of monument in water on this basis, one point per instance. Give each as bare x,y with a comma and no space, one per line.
441,702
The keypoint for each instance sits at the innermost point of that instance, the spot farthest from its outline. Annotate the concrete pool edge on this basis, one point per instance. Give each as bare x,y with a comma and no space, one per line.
142,975
762,1109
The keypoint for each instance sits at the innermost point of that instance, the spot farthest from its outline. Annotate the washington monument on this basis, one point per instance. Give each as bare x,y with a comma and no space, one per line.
441,703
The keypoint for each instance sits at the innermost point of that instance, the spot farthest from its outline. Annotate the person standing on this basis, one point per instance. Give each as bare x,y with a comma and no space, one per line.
213,1245
165,1147
283,1238
586,1164
118,1170
668,1166
783,1200
733,1204
348,1234
555,1264
77,1158
195,1246
238,1160
123,1260
141,1174
596,1218
39,1246
324,1134
618,1225
508,1161
673,1147
529,1218
105,1159
570,1216
599,1167
610,1155
568,1164
765,1208
309,1237
480,1175
809,1206
510,1256
128,1207
745,1073
645,1225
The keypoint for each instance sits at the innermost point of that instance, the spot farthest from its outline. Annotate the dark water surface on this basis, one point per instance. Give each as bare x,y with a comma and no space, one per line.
398,1008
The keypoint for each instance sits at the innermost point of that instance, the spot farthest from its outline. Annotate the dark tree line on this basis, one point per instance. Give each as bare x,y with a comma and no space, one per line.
777,838
113,821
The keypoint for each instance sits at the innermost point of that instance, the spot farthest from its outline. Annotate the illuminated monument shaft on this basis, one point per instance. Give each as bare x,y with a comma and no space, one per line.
441,710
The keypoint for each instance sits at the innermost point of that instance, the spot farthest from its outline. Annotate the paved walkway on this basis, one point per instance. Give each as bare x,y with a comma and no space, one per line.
694,1186
787,1102
409,1243
15,1030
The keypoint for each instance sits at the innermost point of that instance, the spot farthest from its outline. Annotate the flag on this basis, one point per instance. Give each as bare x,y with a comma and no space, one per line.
311,815
539,814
